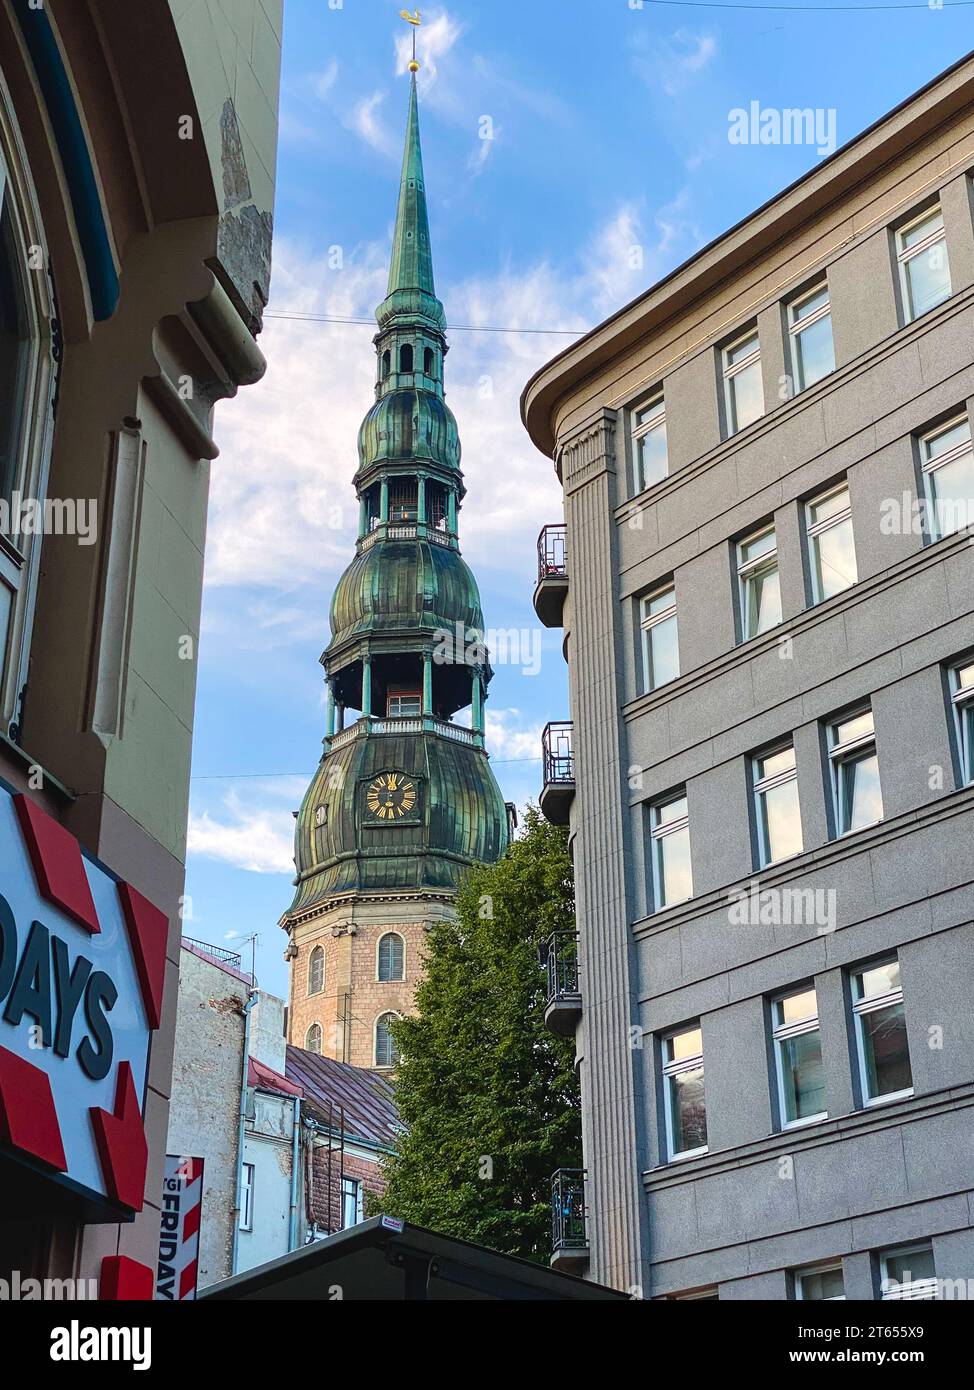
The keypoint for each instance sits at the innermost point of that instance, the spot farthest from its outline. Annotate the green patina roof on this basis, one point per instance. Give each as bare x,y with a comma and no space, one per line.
462,820
405,586
411,292
408,424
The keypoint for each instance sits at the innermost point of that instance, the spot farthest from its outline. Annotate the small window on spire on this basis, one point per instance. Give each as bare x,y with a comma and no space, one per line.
386,362
406,358
428,362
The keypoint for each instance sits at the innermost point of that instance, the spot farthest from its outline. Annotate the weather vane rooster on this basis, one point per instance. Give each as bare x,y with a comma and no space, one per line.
415,20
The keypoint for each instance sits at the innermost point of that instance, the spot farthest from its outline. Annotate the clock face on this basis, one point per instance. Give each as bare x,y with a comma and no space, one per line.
390,796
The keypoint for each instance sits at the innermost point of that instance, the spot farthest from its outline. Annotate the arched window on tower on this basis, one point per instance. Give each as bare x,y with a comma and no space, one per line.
429,362
316,971
406,357
386,1051
386,363
392,957
312,1039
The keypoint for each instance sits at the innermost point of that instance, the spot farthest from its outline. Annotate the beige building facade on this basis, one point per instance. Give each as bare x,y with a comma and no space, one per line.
137,145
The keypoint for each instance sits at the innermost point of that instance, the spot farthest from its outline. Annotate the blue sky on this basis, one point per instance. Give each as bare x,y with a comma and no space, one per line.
607,130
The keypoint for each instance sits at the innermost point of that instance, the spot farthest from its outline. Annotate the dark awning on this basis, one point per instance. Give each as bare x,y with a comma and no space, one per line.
384,1259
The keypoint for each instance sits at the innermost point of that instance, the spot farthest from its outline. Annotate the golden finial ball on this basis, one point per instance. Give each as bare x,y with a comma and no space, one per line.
414,66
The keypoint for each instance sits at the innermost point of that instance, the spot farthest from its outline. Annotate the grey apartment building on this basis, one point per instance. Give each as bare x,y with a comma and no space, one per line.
766,584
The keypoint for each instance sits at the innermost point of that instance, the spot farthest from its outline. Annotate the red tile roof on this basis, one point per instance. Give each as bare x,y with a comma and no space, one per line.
258,1074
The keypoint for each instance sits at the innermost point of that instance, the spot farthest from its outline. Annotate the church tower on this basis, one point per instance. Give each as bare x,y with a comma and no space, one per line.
404,798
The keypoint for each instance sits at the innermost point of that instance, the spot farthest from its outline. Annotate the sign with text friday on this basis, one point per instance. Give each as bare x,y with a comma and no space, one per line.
179,1233
82,967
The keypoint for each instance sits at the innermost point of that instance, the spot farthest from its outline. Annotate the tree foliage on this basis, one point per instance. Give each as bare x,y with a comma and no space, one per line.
489,1097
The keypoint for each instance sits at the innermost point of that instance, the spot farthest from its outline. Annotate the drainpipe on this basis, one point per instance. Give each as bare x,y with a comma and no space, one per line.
242,1115
292,1233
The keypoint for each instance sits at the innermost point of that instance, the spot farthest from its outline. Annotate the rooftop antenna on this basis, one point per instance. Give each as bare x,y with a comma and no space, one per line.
415,20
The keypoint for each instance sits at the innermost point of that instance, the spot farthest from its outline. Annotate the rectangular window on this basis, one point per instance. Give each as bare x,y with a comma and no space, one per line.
776,804
760,590
686,1110
247,1198
670,832
661,652
353,1203
810,326
649,460
831,547
821,1283
884,1055
962,697
921,250
856,791
404,704
908,1273
947,461
743,389
798,1058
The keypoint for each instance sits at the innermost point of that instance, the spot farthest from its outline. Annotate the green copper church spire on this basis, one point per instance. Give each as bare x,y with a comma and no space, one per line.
411,295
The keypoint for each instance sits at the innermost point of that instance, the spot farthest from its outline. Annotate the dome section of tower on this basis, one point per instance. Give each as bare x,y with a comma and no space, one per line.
411,425
460,820
409,586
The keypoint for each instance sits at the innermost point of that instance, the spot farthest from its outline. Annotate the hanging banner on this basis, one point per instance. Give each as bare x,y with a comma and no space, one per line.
179,1234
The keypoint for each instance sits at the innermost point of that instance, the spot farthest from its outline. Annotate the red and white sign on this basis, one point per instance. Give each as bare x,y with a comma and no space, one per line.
82,968
179,1235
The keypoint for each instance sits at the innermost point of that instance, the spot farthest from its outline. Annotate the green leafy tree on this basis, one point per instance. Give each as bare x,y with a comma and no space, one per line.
488,1095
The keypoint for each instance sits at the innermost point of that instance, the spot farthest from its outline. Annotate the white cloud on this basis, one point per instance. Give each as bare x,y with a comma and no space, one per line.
363,121
253,829
672,64
434,40
322,82
505,740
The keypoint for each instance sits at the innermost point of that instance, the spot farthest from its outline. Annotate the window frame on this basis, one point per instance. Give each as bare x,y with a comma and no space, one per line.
390,979
905,254
818,528
930,1281
962,702
796,327
930,466
781,1032
637,433
649,621
660,831
20,562
352,1190
384,1066
416,695
317,954
307,1038
671,1069
730,370
807,1271
748,569
248,1179
839,755
760,786
872,1004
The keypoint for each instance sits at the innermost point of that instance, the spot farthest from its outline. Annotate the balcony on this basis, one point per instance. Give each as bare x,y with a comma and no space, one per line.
369,726
569,1233
558,789
552,585
563,1005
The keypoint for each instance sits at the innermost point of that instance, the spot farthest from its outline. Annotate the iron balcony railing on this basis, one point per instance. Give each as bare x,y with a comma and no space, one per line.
230,958
568,1230
559,955
557,754
552,555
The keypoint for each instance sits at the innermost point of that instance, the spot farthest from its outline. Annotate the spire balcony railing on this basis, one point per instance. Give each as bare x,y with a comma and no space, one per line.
569,1226
563,1003
558,759
551,589
405,531
371,725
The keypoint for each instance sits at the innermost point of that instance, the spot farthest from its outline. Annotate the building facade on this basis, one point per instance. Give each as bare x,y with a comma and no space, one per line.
768,605
289,1142
137,158
404,798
